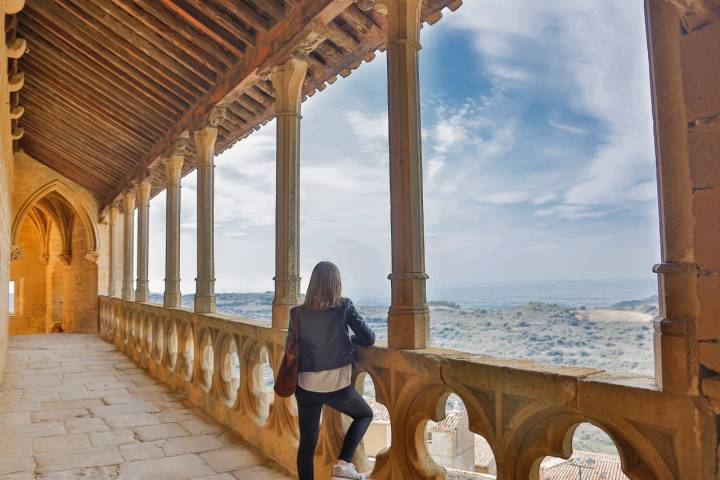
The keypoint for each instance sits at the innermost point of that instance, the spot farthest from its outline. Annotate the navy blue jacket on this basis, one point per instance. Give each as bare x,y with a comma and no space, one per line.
325,338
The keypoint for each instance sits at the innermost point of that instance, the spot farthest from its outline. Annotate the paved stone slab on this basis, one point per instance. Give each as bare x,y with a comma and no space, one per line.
115,437
260,472
70,404
232,458
131,420
124,408
141,451
169,468
60,443
96,473
90,457
85,425
156,432
15,460
58,415
198,426
194,444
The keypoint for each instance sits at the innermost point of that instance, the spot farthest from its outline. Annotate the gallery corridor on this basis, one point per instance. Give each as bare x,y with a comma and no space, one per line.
71,406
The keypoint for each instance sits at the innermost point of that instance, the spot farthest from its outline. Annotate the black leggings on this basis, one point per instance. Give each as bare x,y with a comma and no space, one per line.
347,401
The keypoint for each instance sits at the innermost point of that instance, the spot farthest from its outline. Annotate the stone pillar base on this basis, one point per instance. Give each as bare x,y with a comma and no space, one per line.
408,327
205,303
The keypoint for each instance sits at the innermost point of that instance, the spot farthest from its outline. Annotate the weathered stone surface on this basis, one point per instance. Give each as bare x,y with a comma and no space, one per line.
156,432
194,444
231,458
701,61
169,468
61,443
85,424
141,451
115,437
15,460
131,420
198,426
58,415
124,408
707,232
91,457
95,473
259,472
70,404
708,293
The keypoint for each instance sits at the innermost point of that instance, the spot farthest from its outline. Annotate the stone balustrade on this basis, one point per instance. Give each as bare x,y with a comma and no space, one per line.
525,410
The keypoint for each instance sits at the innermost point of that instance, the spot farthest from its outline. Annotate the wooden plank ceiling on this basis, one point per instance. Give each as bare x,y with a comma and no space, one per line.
110,84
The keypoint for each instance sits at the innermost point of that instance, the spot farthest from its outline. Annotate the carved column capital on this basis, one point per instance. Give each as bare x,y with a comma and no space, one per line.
288,80
128,200
179,147
15,253
316,34
143,191
217,116
173,169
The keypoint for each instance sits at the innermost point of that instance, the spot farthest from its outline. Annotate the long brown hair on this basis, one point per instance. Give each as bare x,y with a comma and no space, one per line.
324,288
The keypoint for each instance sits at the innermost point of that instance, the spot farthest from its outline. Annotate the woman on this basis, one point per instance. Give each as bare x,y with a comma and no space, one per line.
326,358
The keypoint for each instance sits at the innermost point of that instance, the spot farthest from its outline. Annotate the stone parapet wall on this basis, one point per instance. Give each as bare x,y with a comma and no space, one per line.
525,410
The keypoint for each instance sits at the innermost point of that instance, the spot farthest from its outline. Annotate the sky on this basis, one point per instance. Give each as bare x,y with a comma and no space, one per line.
538,160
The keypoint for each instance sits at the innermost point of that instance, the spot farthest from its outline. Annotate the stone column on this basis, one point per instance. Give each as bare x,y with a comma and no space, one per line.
114,213
408,317
128,236
173,171
205,145
288,80
142,291
676,367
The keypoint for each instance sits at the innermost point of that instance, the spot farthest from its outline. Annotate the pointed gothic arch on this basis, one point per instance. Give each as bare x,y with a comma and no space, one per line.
66,196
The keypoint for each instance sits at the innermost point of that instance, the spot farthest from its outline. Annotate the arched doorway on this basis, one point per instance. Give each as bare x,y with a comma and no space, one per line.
54,263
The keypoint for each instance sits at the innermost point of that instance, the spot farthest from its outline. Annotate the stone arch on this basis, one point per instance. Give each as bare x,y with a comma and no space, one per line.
71,200
549,432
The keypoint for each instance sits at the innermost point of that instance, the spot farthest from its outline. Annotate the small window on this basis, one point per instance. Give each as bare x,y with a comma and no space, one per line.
428,437
12,310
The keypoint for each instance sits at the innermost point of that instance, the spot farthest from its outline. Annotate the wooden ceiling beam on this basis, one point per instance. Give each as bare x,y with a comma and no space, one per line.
85,91
237,8
63,133
277,45
65,59
64,155
101,120
112,46
190,15
47,15
271,7
165,24
59,113
147,52
70,169
201,65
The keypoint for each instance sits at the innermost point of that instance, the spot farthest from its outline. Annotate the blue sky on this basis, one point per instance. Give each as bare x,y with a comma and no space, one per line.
537,152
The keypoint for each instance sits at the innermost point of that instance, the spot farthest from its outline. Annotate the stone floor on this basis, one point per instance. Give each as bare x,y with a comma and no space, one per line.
71,406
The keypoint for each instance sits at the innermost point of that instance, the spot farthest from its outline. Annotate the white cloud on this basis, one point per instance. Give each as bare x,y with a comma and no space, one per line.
604,74
567,128
503,198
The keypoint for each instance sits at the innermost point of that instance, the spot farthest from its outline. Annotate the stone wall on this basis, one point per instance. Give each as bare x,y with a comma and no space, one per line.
56,289
6,177
30,285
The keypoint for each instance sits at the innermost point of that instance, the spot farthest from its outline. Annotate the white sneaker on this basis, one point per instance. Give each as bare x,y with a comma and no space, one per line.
346,470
